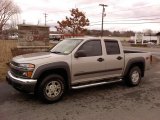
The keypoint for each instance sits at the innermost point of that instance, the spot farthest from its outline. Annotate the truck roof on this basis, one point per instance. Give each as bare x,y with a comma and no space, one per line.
98,38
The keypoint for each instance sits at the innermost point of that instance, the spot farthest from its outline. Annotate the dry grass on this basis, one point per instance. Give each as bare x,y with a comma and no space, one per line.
5,55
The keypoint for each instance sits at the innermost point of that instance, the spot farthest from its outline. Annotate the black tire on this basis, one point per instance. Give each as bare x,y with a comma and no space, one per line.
52,88
134,76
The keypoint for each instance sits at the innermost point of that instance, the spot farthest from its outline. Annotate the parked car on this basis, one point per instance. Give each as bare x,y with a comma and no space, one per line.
151,43
131,41
13,37
55,37
76,63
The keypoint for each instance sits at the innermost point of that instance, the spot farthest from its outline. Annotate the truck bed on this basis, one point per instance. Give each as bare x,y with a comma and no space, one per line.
131,51
130,54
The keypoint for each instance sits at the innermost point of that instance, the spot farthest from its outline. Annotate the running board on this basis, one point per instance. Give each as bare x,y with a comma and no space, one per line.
95,84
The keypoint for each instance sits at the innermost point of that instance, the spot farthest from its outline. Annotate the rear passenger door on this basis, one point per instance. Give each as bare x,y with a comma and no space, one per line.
114,58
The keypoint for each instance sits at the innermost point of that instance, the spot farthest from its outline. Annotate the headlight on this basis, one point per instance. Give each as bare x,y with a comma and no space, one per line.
24,70
28,69
27,65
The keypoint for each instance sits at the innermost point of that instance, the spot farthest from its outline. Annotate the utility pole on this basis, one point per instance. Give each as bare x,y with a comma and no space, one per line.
38,22
103,15
45,16
24,22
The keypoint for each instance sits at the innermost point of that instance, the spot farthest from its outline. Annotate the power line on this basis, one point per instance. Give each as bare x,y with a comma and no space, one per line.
114,22
138,17
121,20
125,23
149,22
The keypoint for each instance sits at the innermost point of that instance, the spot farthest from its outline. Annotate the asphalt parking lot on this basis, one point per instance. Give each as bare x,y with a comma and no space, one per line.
110,102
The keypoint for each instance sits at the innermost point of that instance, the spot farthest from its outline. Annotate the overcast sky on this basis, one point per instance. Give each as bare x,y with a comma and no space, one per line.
135,15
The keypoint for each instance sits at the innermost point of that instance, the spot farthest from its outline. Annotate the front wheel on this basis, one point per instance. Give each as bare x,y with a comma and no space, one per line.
52,88
134,76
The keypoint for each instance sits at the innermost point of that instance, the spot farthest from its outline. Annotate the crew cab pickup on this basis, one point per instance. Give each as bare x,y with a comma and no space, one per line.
76,63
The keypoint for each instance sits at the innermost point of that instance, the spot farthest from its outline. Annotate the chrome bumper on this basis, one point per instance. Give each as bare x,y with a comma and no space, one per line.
26,85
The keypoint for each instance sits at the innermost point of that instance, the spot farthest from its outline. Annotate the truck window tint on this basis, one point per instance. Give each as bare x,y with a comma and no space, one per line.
112,47
92,48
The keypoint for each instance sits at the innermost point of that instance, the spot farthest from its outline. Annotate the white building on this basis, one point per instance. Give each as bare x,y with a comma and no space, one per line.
141,38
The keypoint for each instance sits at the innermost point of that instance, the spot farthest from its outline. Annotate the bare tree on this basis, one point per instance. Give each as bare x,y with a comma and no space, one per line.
7,9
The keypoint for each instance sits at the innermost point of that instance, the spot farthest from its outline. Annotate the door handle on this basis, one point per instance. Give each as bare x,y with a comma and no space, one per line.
100,59
119,58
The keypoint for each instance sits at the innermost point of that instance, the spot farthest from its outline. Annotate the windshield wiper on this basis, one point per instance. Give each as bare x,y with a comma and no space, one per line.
56,52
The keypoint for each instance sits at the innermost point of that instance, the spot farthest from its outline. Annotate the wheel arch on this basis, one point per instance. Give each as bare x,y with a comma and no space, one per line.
140,62
60,68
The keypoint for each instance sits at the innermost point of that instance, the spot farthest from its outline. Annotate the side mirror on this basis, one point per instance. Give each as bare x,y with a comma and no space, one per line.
80,53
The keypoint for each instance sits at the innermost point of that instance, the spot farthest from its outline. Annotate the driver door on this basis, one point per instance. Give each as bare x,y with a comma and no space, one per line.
90,67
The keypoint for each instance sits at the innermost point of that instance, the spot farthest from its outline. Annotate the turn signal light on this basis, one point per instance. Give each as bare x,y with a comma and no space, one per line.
28,74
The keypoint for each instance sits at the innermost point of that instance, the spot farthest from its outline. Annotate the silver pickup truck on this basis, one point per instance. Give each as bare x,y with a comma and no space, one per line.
76,63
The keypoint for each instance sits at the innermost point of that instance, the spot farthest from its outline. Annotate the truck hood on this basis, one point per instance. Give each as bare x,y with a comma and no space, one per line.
31,57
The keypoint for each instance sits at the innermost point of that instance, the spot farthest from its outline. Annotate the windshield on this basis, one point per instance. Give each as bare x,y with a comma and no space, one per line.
66,46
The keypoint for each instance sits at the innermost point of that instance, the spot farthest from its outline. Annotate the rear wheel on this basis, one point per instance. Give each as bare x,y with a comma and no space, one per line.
134,76
52,88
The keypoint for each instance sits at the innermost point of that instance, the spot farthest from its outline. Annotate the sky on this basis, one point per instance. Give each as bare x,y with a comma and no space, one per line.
137,15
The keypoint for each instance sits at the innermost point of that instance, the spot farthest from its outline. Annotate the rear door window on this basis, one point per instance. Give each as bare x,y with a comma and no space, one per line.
112,47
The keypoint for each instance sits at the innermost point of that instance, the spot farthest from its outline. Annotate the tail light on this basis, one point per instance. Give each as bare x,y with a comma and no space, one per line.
149,59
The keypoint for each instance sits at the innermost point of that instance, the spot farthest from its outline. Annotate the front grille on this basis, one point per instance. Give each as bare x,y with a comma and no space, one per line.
16,71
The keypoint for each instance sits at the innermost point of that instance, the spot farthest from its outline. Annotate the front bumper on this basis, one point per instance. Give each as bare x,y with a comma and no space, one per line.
26,85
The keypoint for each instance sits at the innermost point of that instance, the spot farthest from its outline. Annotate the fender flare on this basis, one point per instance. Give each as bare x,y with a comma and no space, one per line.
133,61
51,66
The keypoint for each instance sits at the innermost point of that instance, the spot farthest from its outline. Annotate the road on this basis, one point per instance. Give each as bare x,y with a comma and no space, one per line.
106,102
